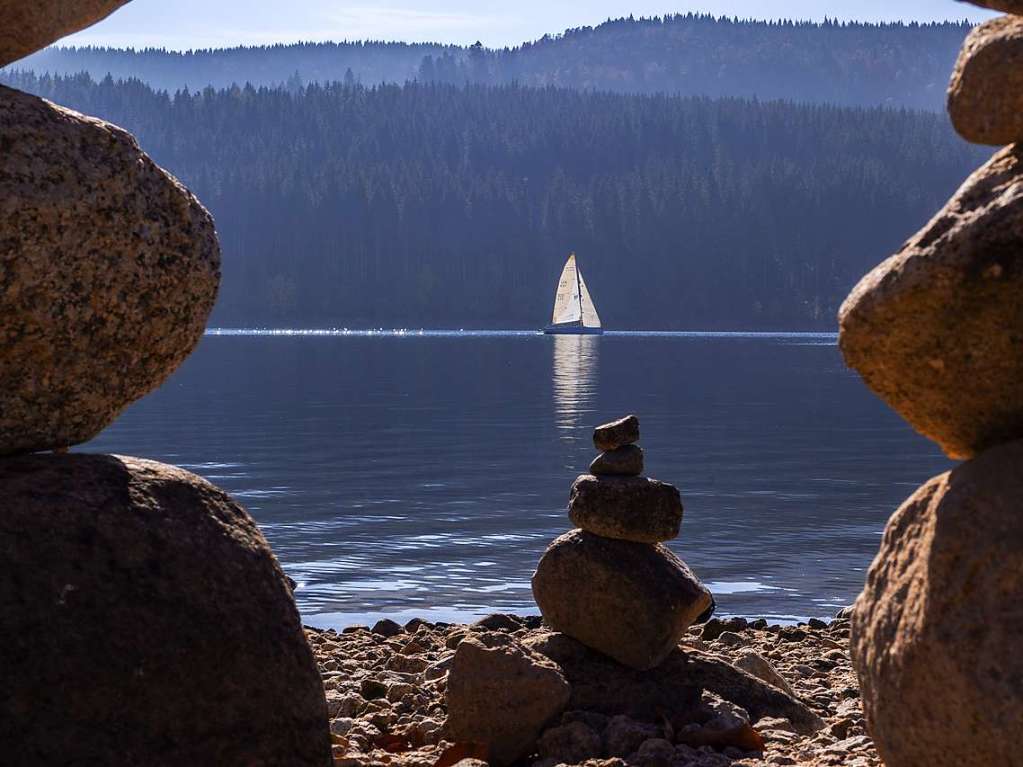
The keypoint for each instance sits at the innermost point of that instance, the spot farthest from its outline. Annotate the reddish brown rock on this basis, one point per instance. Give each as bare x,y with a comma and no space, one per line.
108,271
616,434
627,508
937,329
630,601
502,695
985,97
28,26
145,621
936,631
626,461
1005,6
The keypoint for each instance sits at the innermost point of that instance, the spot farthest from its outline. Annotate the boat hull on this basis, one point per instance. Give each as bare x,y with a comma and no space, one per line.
572,330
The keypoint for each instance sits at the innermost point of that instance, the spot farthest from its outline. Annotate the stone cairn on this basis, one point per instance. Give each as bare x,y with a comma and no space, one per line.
615,603
144,617
937,332
611,584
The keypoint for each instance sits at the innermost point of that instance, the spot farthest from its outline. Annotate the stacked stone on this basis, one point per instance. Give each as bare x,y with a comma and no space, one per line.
144,617
937,332
612,584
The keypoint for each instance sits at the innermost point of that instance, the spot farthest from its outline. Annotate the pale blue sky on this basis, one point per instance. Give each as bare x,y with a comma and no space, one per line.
215,23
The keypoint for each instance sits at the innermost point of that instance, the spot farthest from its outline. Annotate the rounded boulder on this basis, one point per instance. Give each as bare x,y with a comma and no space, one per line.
28,25
108,271
936,631
935,330
146,621
985,96
630,601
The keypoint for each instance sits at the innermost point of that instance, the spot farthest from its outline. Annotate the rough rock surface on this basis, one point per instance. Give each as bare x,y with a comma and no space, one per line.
616,434
936,629
604,686
631,601
1005,6
937,329
403,729
26,26
145,621
626,461
108,271
501,695
985,97
627,508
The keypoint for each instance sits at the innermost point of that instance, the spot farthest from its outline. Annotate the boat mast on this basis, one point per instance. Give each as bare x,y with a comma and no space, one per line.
579,291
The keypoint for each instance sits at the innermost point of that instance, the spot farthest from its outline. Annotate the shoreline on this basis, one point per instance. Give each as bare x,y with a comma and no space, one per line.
385,688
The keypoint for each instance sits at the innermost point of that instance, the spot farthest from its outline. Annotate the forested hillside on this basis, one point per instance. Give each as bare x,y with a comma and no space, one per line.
839,63
437,205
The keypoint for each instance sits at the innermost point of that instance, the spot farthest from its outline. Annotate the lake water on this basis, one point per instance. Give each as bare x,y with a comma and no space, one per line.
411,474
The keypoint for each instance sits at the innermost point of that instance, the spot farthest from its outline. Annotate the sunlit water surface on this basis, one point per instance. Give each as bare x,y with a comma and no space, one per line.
422,474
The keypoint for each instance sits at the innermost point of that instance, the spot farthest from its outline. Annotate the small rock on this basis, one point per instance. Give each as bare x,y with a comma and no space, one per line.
416,624
655,751
985,97
756,664
626,508
601,685
624,735
502,695
730,639
816,623
632,601
499,622
616,434
387,628
570,743
372,689
626,461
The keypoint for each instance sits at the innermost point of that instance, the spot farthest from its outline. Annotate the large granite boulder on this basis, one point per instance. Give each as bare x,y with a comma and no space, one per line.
108,271
630,601
1005,6
28,26
627,508
937,329
985,97
501,695
936,631
145,621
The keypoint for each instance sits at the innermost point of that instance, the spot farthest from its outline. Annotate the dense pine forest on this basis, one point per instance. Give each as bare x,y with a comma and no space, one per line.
853,64
438,205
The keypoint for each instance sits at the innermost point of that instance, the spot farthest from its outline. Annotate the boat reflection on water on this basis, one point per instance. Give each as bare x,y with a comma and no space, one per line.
574,376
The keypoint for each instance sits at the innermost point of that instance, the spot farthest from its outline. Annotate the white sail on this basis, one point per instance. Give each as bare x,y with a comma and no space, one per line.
566,301
590,317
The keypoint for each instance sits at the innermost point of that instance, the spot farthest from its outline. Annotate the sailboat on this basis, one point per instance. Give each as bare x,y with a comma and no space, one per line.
574,311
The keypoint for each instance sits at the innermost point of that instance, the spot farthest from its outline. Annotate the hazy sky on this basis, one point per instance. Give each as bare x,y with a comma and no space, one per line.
214,23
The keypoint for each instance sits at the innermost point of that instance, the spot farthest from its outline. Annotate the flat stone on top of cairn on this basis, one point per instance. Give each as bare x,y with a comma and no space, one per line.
616,434
626,508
